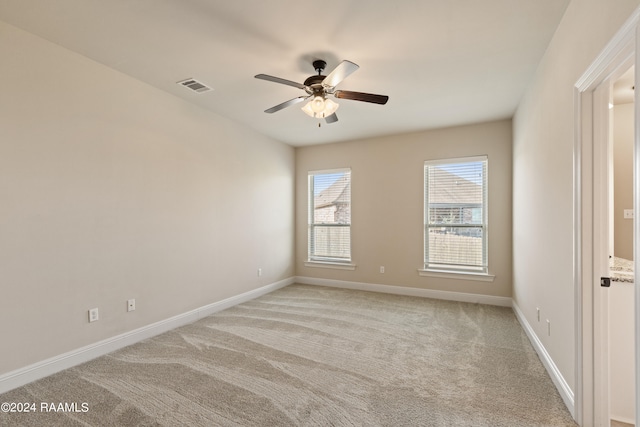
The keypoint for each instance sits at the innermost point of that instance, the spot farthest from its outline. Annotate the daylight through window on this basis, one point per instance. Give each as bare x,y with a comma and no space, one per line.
330,216
455,214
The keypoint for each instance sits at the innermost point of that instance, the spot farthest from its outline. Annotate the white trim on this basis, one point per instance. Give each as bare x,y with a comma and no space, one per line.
619,50
577,259
327,264
50,366
622,43
484,226
402,290
460,275
311,222
556,376
636,206
468,159
329,171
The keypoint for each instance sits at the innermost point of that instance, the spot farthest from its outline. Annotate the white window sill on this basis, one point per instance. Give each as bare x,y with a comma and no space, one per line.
327,264
460,275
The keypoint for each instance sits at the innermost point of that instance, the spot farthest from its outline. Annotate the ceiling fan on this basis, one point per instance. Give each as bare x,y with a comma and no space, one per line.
318,87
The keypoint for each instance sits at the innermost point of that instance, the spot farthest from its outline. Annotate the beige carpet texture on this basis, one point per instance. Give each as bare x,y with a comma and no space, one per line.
313,356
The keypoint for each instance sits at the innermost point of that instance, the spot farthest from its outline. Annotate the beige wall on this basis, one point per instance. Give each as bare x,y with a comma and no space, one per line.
387,204
543,175
622,180
110,190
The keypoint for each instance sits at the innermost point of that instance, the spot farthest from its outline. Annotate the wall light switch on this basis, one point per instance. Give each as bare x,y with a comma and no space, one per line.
131,305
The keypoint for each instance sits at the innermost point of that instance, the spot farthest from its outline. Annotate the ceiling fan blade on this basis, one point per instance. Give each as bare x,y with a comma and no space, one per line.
339,73
279,80
332,118
286,104
359,96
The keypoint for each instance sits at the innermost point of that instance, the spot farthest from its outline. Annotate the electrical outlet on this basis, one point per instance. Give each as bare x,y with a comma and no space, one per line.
93,315
628,214
382,269
131,305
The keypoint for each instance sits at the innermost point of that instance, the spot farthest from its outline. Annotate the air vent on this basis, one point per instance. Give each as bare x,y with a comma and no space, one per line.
195,85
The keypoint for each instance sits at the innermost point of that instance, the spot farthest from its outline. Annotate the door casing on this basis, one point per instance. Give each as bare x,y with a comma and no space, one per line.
591,223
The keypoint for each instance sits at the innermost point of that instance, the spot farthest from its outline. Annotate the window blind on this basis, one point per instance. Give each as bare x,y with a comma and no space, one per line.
455,231
329,232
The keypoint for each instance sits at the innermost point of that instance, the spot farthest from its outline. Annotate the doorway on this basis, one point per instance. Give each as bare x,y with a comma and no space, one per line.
593,228
620,318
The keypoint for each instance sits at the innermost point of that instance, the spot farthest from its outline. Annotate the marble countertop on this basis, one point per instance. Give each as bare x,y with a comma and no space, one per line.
621,270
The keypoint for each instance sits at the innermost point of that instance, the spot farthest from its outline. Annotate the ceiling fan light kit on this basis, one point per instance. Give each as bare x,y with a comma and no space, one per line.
320,108
319,87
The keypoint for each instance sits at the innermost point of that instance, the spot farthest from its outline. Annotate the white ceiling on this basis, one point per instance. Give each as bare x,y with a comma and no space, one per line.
441,62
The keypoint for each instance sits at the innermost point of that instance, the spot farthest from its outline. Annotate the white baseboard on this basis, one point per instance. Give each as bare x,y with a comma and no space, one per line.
401,290
558,380
42,369
22,376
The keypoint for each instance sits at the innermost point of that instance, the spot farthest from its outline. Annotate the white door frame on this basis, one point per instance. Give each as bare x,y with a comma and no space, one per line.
591,405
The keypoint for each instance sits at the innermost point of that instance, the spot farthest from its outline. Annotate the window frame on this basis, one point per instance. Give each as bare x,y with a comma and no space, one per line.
313,260
439,269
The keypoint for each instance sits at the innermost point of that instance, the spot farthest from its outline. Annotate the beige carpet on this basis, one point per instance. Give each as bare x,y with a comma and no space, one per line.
314,356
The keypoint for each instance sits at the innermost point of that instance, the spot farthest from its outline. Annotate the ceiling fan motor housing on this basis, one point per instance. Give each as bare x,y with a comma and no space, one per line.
315,82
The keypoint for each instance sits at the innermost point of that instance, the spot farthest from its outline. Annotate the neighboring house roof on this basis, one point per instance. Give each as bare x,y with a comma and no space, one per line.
337,193
466,192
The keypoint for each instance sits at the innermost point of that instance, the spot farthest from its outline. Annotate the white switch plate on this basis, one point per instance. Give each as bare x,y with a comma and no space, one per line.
131,305
628,214
93,315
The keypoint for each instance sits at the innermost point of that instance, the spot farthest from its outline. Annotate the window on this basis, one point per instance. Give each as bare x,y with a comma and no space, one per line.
455,215
330,216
